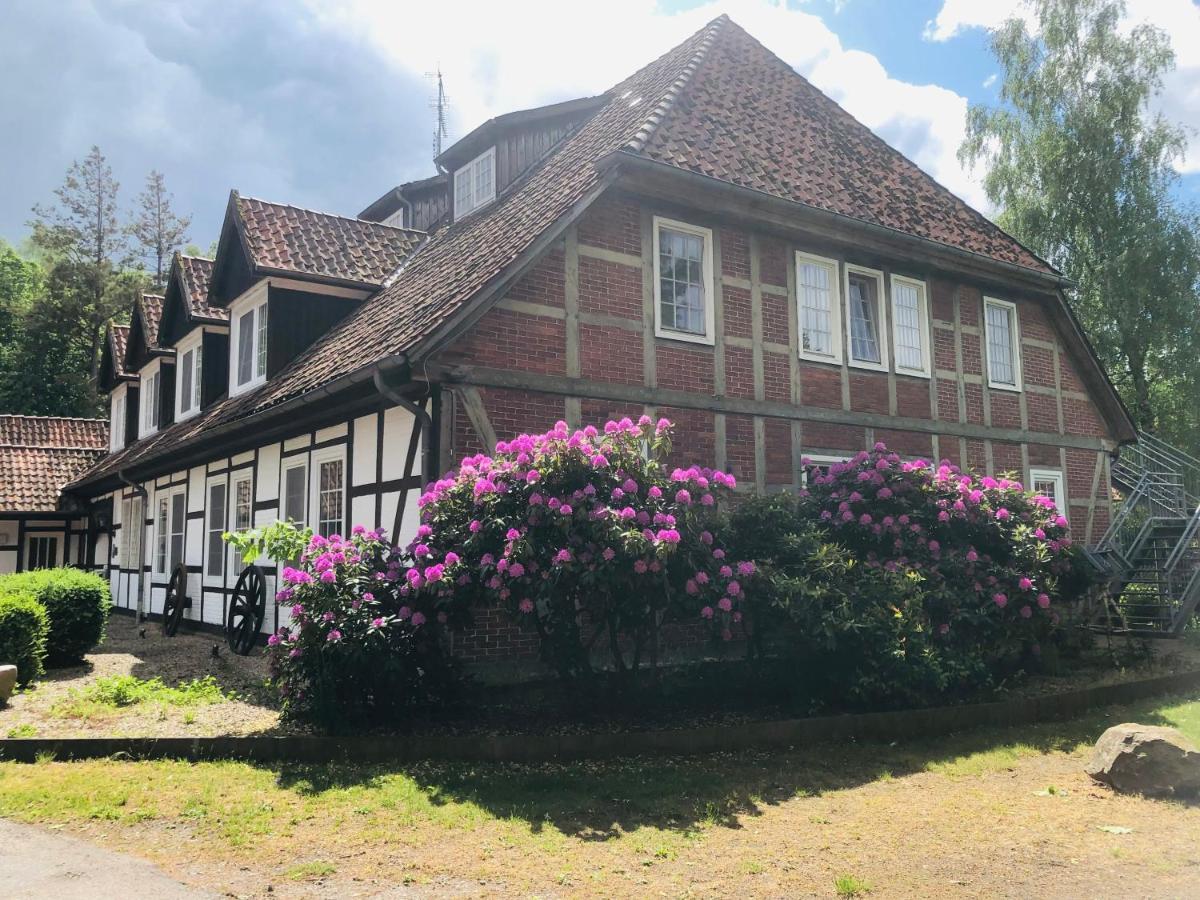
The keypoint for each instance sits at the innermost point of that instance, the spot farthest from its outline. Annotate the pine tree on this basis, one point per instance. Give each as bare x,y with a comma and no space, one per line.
155,227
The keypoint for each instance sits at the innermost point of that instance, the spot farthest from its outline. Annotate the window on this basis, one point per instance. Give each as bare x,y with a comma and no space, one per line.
864,314
1003,341
295,494
818,464
214,545
188,394
1049,483
683,278
151,397
131,527
475,183
43,553
910,326
243,502
116,420
248,362
820,308
169,522
329,491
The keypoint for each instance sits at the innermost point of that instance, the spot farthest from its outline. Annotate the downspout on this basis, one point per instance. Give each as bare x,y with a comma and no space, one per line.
417,412
138,491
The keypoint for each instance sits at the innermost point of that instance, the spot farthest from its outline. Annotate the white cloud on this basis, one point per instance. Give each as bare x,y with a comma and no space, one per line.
1180,19
504,56
990,80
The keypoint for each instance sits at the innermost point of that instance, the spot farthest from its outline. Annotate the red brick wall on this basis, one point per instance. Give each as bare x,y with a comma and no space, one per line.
609,243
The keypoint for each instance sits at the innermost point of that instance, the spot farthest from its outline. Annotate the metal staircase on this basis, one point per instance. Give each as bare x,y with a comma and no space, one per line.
1151,551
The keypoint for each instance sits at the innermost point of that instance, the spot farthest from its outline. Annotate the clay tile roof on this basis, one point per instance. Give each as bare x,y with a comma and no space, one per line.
40,454
196,272
120,340
748,118
151,307
291,239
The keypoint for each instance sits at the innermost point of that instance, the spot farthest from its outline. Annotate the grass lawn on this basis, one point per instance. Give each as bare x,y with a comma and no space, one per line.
991,813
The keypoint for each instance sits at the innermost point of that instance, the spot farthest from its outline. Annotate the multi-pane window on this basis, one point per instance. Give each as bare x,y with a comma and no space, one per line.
116,422
243,502
1003,341
1049,483
43,552
250,341
151,396
214,547
865,318
330,496
169,521
131,528
683,281
818,464
295,481
189,380
820,307
910,326
475,183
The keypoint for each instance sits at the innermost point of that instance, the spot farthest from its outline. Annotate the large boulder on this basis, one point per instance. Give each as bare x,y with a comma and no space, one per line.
1146,759
8,682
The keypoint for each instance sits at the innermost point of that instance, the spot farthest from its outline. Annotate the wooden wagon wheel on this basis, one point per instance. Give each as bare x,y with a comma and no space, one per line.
176,601
247,607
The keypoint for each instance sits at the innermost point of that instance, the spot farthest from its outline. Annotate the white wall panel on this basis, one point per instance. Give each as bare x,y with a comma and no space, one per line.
365,438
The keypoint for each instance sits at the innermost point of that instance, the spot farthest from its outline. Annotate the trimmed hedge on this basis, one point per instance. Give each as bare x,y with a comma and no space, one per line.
77,604
24,627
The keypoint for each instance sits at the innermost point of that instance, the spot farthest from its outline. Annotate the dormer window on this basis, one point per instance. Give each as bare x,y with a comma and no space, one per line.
248,359
475,183
116,422
151,396
187,392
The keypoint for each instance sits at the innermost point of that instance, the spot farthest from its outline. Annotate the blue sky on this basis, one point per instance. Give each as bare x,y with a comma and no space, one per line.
324,103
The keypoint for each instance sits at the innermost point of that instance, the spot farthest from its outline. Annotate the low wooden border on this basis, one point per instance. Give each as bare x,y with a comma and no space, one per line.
881,726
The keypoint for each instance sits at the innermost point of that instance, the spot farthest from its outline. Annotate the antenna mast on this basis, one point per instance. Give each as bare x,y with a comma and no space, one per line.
440,104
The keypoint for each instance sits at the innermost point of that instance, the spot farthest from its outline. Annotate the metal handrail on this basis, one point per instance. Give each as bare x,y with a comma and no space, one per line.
1131,502
1190,533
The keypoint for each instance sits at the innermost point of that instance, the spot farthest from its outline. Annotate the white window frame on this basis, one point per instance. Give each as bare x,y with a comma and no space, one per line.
165,565
319,457
117,417
239,477
295,462
706,273
1059,478
835,308
1015,330
211,577
922,289
150,399
467,201
193,344
131,525
253,301
820,459
881,303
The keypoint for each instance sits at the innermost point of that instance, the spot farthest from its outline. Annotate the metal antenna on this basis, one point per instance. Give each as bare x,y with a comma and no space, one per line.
441,104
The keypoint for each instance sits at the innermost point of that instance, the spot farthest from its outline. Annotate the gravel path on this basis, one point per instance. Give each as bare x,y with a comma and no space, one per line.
39,864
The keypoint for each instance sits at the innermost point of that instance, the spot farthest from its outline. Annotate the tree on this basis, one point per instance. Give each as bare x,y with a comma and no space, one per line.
1083,173
82,235
158,231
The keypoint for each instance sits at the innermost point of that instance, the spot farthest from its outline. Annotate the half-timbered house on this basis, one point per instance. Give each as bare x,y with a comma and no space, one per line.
713,240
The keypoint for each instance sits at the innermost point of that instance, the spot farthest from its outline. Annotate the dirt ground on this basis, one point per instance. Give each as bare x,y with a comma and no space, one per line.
143,651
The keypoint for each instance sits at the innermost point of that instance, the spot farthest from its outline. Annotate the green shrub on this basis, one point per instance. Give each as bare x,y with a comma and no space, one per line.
77,604
24,626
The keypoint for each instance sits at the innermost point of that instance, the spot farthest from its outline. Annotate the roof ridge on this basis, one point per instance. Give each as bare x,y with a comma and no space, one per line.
195,256
4,415
318,212
638,142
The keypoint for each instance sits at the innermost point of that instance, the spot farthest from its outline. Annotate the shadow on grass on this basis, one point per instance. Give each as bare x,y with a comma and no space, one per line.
596,800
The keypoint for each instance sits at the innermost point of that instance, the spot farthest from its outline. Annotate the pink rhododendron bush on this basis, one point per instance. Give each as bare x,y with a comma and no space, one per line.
587,537
355,653
903,581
